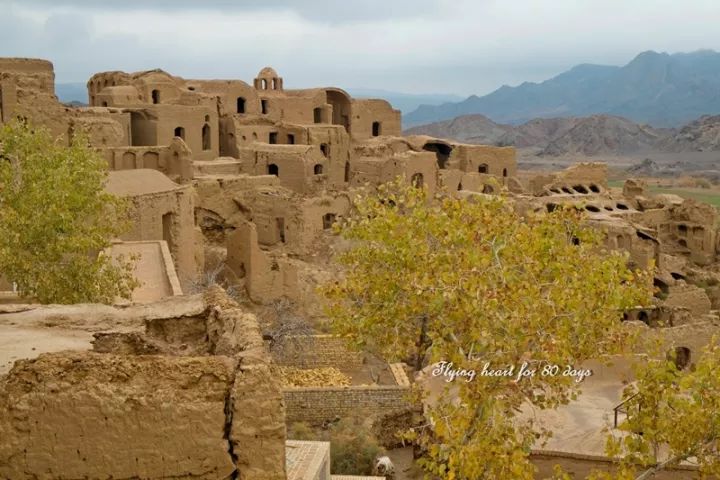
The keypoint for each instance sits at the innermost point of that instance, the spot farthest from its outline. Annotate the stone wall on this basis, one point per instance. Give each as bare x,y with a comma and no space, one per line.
315,351
317,405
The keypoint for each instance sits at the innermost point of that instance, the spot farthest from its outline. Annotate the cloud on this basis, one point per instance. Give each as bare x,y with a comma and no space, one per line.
440,46
315,10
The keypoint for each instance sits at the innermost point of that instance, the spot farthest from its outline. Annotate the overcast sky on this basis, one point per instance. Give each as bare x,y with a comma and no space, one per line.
416,46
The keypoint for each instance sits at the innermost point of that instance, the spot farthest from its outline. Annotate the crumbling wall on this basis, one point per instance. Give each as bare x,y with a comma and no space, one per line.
192,396
90,415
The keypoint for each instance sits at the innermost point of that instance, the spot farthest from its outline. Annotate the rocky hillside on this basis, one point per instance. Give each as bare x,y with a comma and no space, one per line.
654,88
593,135
701,135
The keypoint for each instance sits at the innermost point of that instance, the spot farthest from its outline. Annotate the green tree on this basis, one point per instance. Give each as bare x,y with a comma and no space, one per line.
469,281
56,219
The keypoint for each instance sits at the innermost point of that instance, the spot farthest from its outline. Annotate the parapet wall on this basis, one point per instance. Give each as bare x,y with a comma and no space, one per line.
325,404
318,405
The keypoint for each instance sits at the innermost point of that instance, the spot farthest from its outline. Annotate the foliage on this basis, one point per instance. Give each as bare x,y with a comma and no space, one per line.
674,417
56,219
353,448
470,281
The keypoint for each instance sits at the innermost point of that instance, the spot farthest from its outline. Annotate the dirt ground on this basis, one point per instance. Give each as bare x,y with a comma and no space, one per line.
28,342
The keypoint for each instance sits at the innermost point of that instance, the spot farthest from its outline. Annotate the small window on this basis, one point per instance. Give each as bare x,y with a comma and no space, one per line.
264,106
324,149
104,104
272,138
376,129
240,105
180,132
504,172
317,115
291,139
274,84
318,169
328,220
155,96
263,84
483,168
347,172
273,169
417,180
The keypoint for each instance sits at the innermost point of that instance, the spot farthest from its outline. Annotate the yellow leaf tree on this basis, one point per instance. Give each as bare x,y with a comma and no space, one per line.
471,282
56,219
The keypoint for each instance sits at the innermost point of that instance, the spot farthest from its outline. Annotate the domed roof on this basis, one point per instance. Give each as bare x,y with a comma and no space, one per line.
267,72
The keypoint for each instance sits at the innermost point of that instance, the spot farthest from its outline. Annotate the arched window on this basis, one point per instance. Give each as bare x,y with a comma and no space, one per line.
273,169
155,96
318,169
240,105
274,83
206,141
417,180
483,168
263,84
180,132
376,129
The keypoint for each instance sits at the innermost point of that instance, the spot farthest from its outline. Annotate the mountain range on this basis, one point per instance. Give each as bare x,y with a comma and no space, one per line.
658,89
591,135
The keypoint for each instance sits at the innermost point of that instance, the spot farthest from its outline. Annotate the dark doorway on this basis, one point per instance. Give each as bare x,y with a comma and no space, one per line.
442,153
483,168
155,96
180,132
206,141
273,169
272,138
291,139
240,105
328,220
318,169
376,129
317,115
264,106
347,171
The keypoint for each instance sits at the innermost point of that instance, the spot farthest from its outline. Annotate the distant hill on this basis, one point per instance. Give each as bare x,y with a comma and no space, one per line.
75,93
587,136
405,102
659,89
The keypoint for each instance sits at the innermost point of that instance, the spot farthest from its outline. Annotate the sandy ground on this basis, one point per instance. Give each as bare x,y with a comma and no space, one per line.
29,342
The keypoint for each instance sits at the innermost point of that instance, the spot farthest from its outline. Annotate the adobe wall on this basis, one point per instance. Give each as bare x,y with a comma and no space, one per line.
191,396
173,160
88,415
146,216
365,112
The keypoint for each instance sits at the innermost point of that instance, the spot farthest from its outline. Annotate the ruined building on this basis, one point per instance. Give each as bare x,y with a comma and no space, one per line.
247,179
